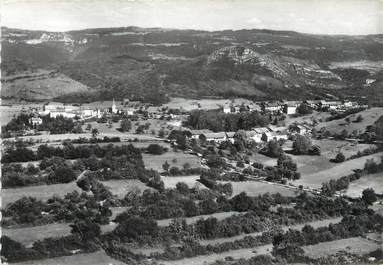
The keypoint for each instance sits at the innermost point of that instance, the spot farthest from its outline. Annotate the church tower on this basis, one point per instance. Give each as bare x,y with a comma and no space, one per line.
114,108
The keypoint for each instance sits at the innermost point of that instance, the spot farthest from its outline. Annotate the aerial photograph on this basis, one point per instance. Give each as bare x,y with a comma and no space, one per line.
179,132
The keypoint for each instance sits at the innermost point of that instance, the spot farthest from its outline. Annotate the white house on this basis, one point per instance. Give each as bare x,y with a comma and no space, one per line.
35,121
55,114
257,134
219,137
226,109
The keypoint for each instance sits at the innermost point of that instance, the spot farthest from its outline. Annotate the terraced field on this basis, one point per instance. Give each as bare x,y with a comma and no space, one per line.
337,126
191,181
244,253
96,258
315,170
374,181
354,245
41,192
121,187
255,188
175,159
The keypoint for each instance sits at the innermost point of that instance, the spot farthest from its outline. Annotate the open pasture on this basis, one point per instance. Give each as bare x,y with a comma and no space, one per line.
330,148
337,126
255,188
374,181
316,170
191,104
244,253
41,192
121,187
175,159
95,258
191,181
28,235
354,245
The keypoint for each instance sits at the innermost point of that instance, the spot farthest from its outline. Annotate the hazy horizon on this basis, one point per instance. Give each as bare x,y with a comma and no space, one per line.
345,17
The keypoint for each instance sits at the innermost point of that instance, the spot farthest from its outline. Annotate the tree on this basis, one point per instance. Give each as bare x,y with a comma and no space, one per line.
369,196
95,132
264,137
125,125
186,166
304,109
86,229
63,174
273,149
166,166
140,129
88,127
359,118
134,227
182,187
301,145
339,158
155,149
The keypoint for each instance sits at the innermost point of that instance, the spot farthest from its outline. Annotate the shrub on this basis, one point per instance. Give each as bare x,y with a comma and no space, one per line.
155,149
339,158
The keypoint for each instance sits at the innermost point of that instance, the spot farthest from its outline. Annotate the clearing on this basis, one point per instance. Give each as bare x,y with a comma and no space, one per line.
255,188
374,181
28,235
244,253
353,245
317,170
41,192
175,159
337,126
330,148
121,187
191,181
191,104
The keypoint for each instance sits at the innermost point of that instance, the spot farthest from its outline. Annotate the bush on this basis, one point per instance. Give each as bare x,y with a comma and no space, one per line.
155,149
339,158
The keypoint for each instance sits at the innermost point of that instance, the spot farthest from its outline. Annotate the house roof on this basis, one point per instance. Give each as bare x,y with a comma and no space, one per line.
198,132
261,130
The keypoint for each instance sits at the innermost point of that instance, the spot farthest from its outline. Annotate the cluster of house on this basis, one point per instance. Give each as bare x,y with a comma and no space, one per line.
290,107
257,135
57,109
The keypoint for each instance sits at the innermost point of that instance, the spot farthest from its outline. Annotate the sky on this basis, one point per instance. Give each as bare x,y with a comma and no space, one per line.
351,17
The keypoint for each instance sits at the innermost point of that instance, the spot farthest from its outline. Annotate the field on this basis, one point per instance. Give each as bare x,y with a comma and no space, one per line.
175,159
194,219
244,253
41,192
28,235
330,148
191,181
96,258
191,104
255,188
72,136
316,170
121,187
308,119
374,181
354,245
337,126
